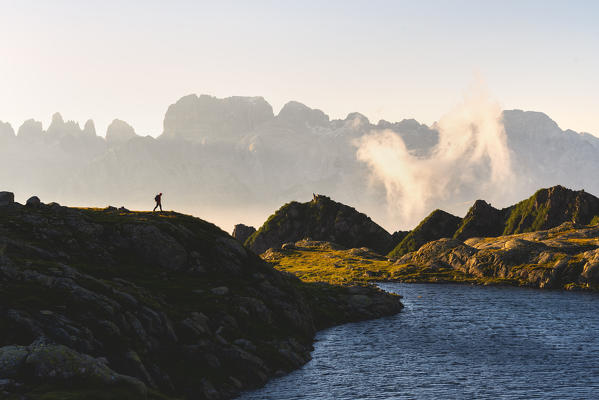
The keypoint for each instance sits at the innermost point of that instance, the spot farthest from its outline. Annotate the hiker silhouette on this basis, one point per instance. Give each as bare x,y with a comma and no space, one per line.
158,200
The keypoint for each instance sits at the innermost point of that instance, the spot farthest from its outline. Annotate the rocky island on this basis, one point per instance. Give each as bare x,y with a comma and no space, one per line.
112,304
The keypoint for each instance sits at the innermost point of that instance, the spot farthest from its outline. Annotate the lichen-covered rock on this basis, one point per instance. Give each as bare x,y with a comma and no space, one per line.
47,363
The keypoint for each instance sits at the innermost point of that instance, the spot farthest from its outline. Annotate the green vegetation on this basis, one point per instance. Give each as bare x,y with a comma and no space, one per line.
320,219
437,225
160,292
324,262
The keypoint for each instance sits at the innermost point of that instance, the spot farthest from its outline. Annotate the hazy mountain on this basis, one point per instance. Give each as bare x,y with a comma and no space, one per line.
233,160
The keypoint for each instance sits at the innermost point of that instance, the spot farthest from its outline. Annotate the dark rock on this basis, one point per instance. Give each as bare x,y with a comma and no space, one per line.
242,232
439,224
288,246
43,362
33,201
482,220
6,198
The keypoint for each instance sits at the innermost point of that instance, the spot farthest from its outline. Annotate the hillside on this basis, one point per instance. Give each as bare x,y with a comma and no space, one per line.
562,257
545,209
437,225
565,257
320,219
113,304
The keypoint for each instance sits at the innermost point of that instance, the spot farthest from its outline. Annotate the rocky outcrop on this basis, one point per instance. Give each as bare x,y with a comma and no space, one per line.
33,201
320,219
438,224
481,220
562,257
550,207
114,302
7,198
242,232
545,209
41,363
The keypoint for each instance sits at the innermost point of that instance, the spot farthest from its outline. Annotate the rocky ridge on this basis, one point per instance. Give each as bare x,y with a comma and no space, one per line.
150,305
546,208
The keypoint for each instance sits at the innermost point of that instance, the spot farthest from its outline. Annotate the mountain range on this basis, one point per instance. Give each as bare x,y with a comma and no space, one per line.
232,160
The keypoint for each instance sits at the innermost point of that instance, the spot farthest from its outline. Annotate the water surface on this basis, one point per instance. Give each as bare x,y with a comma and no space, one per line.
457,342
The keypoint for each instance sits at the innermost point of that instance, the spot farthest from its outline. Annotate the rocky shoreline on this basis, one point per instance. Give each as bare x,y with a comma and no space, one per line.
112,304
565,257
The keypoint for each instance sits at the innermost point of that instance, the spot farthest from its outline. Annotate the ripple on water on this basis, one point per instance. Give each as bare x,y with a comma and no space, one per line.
456,341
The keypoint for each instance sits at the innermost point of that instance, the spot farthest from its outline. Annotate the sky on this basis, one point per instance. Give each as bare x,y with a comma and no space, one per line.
386,59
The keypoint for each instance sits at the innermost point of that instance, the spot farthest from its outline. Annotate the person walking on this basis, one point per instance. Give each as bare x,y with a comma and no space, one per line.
158,200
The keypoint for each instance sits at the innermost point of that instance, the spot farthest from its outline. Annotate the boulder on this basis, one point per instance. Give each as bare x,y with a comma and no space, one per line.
43,362
221,290
6,198
33,201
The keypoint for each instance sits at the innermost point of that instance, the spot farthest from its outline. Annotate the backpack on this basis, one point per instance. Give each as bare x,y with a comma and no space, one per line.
157,198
